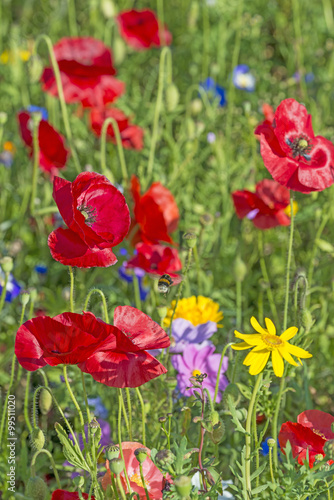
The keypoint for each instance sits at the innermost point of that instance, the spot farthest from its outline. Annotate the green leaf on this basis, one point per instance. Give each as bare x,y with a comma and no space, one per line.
235,419
258,471
257,490
69,450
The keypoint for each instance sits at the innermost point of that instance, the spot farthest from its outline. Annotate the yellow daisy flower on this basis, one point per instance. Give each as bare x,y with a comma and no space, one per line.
265,342
197,310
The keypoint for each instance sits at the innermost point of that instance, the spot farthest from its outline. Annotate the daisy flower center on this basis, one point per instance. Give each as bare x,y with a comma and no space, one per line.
88,213
196,373
300,146
272,341
135,478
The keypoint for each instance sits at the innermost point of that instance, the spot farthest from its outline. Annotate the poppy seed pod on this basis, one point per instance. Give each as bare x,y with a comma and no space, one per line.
141,454
36,489
164,458
111,451
190,239
116,465
183,486
94,425
7,264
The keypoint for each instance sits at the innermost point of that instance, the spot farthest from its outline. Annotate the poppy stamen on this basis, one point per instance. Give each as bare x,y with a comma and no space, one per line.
301,146
89,214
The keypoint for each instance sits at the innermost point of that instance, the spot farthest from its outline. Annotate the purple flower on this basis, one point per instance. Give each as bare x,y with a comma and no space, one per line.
185,333
197,360
6,158
127,275
12,289
214,91
243,79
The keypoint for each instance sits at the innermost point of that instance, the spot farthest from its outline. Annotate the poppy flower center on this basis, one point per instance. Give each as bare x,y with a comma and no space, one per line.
319,433
89,214
300,146
272,341
135,478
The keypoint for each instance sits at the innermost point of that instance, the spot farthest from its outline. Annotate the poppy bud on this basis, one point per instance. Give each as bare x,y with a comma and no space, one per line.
164,458
119,51
3,117
78,481
241,414
25,296
196,106
36,488
116,465
307,320
94,425
108,9
214,417
190,239
7,264
37,438
45,401
111,451
172,97
141,454
183,486
35,68
217,432
271,442
239,269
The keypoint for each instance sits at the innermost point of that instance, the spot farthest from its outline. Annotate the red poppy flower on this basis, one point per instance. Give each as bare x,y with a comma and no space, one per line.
86,71
267,207
131,135
155,212
292,154
67,495
312,430
97,217
154,479
156,259
52,152
122,361
140,29
68,338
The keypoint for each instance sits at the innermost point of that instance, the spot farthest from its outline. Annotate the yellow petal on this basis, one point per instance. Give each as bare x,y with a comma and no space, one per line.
241,346
259,363
287,356
297,351
289,333
256,325
270,326
250,358
252,339
278,363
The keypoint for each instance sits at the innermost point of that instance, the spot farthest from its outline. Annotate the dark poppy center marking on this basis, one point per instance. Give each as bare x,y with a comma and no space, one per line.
89,214
300,146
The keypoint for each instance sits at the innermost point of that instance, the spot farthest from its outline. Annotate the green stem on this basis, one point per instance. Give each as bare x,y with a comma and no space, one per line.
143,480
256,442
198,269
128,400
53,465
206,41
271,464
71,288
72,18
35,133
239,304
61,96
114,124
125,415
136,291
5,407
85,396
248,435
165,51
219,370
104,302
299,47
119,427
143,416
120,487
75,402
285,322
313,254
267,280
26,403
161,22
3,291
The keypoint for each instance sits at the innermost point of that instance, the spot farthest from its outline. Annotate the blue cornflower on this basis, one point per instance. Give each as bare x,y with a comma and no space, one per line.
41,269
37,109
6,158
127,275
214,91
308,78
98,407
12,289
243,79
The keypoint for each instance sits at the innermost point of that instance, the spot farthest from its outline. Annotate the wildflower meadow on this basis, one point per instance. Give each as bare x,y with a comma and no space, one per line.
166,250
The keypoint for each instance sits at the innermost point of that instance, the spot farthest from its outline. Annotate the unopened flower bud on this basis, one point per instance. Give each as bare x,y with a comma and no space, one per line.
318,457
7,264
94,425
36,488
241,414
111,451
206,220
172,97
3,117
162,419
45,401
239,269
162,311
25,296
218,432
196,106
190,239
119,50
164,458
108,9
37,438
183,486
78,481
307,320
35,68
214,417
271,442
141,454
116,465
